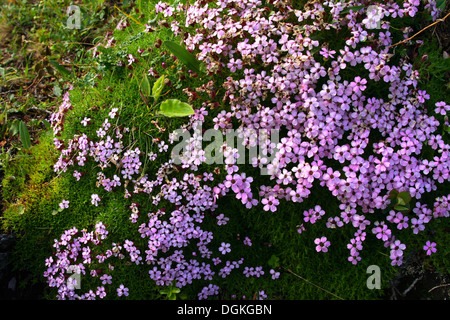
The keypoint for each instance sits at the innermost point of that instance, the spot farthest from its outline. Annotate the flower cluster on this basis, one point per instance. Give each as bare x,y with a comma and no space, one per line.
253,271
165,232
57,118
77,251
210,290
277,77
280,78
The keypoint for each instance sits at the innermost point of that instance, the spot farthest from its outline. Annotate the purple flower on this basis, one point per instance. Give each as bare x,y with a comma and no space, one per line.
327,53
100,292
325,117
401,221
397,248
121,290
77,175
354,257
222,220
430,247
259,272
275,274
249,271
224,248
382,232
106,279
354,246
441,108
312,215
301,228
131,59
417,225
262,295
359,84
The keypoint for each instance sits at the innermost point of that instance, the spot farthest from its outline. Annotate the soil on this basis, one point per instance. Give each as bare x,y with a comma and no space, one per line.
417,282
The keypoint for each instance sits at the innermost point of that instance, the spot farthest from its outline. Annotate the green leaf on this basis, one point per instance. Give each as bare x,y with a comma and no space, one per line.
440,4
274,261
24,135
145,86
183,55
14,127
175,108
176,290
64,72
404,197
354,9
401,208
157,87
154,19
393,194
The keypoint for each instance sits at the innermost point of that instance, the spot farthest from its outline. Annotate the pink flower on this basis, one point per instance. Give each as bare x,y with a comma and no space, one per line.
354,258
270,203
95,199
322,244
430,247
131,59
85,121
382,232
327,53
77,175
359,84
64,204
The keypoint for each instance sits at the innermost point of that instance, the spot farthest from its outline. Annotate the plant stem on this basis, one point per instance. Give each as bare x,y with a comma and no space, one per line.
434,23
128,16
306,280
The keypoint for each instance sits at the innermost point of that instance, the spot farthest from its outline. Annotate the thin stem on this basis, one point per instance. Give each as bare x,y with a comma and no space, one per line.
434,23
440,286
128,16
306,280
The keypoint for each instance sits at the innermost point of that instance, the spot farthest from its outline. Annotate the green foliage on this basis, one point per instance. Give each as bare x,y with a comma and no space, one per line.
145,86
399,201
157,87
170,292
175,108
185,56
24,135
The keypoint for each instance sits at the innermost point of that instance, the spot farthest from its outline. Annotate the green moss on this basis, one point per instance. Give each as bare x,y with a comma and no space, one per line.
30,167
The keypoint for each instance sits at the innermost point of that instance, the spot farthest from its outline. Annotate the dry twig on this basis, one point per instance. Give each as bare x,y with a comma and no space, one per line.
413,36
